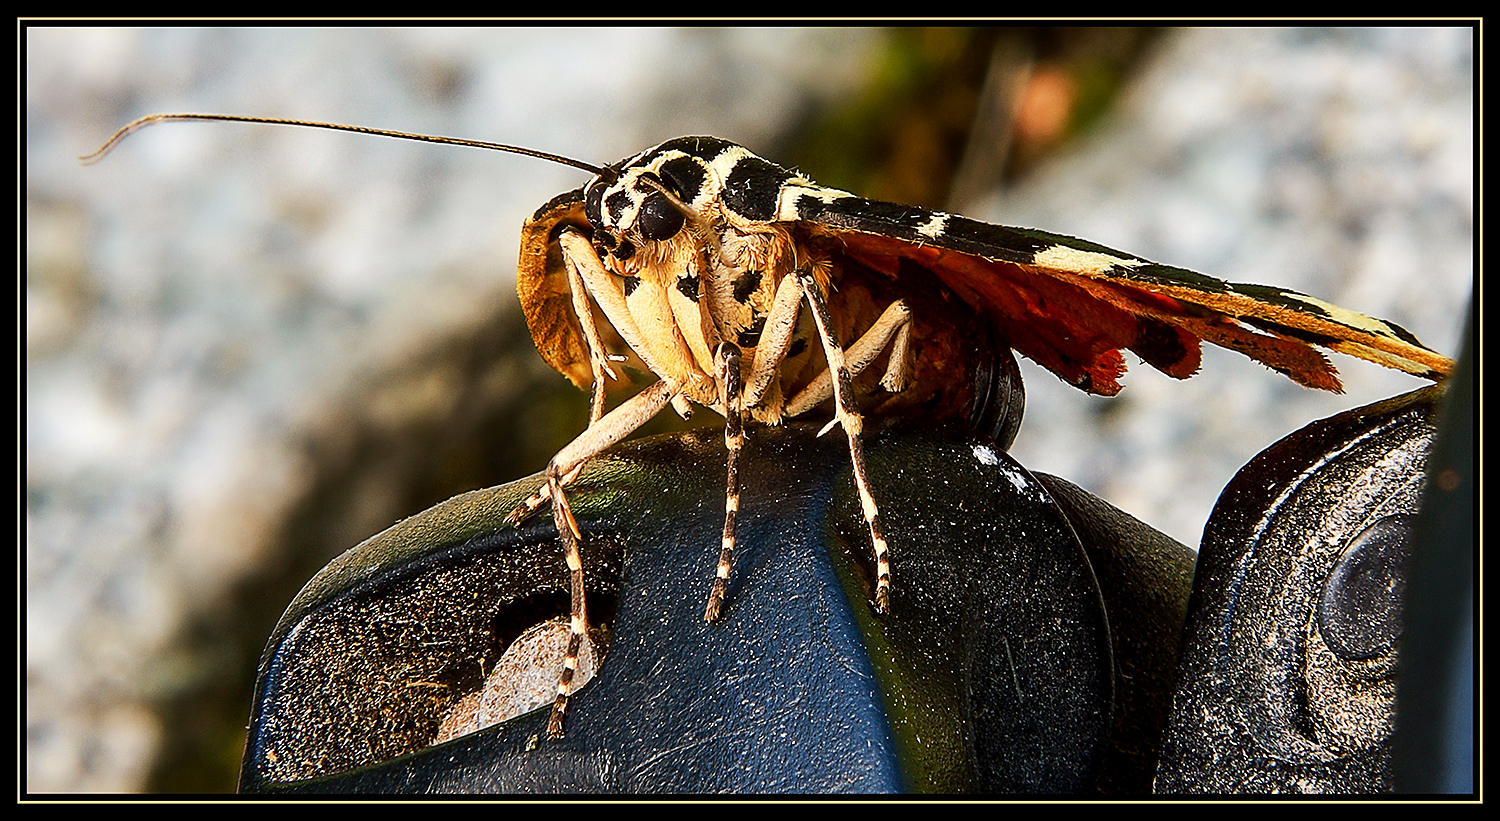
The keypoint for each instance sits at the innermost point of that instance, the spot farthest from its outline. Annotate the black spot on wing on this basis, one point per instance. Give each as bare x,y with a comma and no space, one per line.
1272,295
1160,345
1168,275
1401,333
904,221
629,284
997,241
688,286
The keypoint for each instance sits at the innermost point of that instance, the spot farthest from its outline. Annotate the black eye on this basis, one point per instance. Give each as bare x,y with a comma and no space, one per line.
658,218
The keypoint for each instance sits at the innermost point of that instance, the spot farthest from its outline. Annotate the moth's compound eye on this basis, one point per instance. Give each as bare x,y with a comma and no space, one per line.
658,219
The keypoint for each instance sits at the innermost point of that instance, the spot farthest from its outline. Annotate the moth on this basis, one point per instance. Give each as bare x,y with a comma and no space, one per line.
749,289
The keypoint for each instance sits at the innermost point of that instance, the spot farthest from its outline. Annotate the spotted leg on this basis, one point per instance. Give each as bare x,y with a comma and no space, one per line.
728,359
853,424
614,426
892,330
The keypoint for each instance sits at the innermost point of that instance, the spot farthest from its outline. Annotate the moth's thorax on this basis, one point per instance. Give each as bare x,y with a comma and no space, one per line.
719,182
743,282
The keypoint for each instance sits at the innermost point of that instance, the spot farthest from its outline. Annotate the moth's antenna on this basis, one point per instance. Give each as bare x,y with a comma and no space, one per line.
153,119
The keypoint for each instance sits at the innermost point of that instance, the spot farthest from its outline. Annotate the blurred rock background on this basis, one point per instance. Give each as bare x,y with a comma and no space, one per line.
249,348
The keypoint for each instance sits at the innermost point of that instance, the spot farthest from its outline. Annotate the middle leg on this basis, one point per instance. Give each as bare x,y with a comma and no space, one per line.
734,440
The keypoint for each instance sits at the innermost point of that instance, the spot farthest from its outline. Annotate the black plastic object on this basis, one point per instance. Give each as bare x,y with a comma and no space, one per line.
1146,579
1288,670
1436,733
992,672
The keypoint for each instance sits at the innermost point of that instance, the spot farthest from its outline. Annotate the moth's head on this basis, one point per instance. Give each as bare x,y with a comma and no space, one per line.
652,196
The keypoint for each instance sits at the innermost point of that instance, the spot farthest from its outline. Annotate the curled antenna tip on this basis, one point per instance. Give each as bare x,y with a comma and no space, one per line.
115,138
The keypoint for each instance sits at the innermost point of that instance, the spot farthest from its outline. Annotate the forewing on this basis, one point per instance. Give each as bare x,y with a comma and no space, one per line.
1072,305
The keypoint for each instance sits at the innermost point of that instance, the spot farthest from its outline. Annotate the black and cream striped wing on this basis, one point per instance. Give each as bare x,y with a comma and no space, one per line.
1073,306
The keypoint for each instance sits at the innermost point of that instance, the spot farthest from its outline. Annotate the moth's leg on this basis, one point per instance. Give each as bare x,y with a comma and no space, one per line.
588,276
893,330
853,424
525,509
608,293
770,351
598,356
615,425
728,359
898,370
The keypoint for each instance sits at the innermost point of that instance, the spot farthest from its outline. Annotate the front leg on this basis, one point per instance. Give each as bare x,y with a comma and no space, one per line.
588,277
568,462
763,390
598,356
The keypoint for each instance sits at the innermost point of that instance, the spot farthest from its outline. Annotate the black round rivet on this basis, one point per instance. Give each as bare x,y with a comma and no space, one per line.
1359,613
